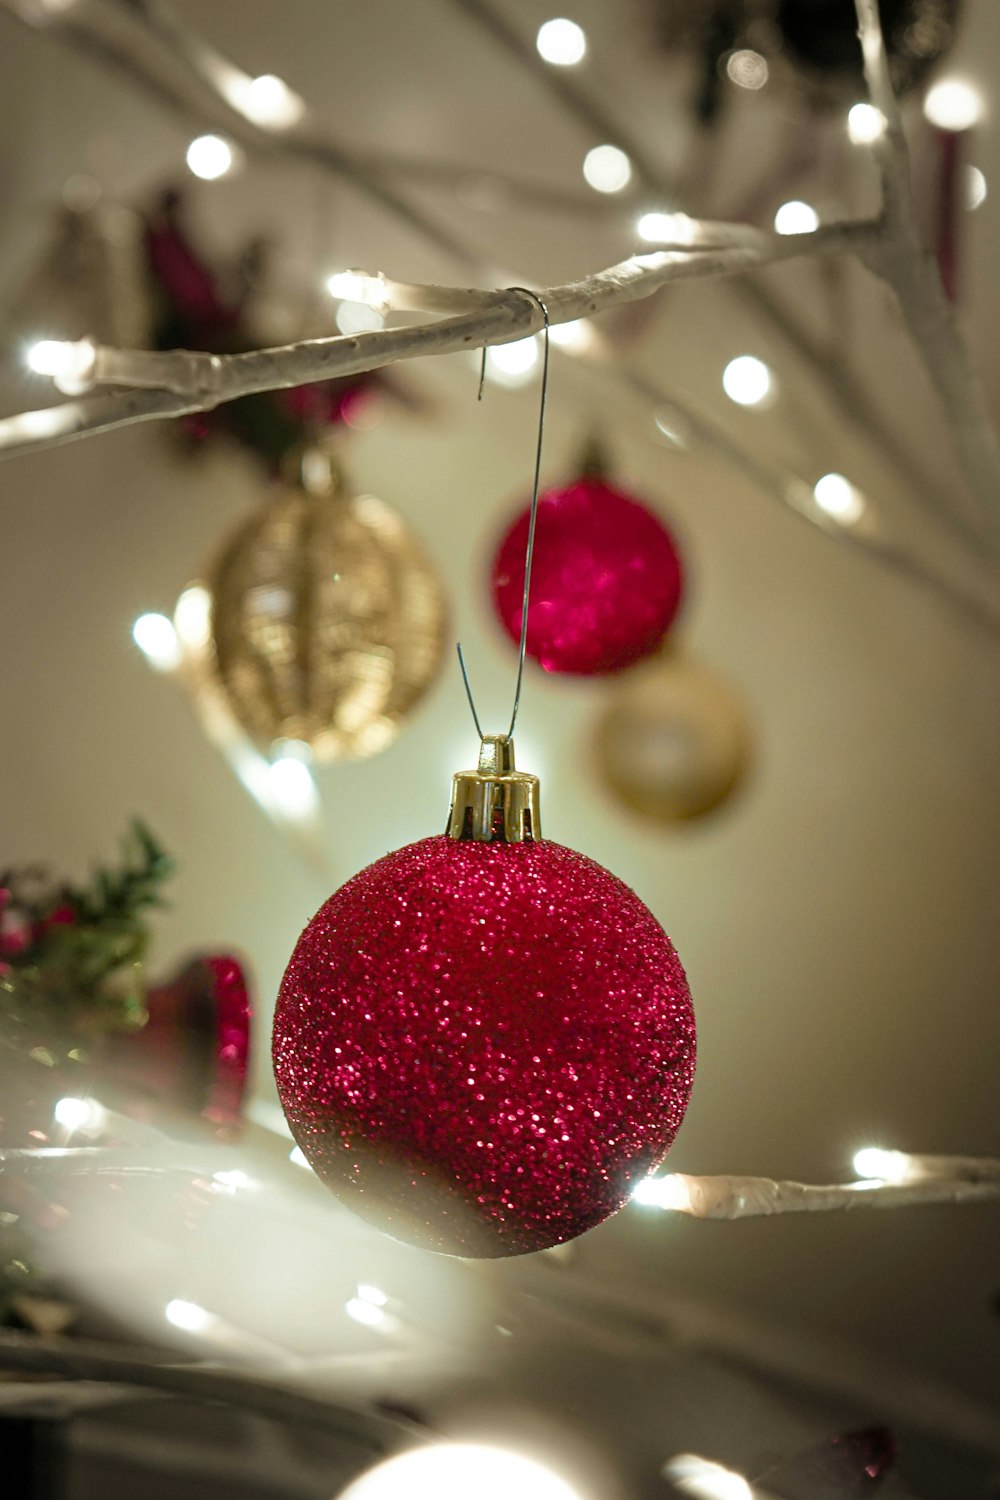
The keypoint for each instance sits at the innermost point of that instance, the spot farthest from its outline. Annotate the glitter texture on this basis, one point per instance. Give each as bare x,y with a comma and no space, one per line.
482,1048
605,581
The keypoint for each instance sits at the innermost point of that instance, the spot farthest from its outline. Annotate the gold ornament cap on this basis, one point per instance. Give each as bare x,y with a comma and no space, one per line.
495,803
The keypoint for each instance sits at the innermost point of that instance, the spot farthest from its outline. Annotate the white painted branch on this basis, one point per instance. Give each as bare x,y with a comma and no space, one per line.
965,1168
276,1399
760,1197
903,260
795,496
931,1180
177,382
206,380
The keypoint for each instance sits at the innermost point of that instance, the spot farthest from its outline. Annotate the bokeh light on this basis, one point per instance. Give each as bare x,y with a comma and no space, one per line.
607,169
210,157
460,1471
748,381
561,42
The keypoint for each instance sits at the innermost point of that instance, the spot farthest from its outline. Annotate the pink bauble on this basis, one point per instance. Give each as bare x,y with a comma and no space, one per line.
483,1047
605,583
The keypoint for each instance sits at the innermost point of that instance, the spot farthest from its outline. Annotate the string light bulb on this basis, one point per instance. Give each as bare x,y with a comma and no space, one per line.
512,364
865,124
666,229
268,101
456,1471
668,1192
561,42
704,1479
365,1312
607,169
187,1315
210,157
359,317
79,1114
576,337
876,1165
796,217
193,618
157,639
748,381
70,364
292,788
369,287
975,188
839,498
953,104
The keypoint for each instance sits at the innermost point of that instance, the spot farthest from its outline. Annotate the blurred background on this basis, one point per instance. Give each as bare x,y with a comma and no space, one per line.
800,780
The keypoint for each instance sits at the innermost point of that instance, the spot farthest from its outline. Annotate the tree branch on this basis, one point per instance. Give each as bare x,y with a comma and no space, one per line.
901,258
204,381
276,1399
913,1181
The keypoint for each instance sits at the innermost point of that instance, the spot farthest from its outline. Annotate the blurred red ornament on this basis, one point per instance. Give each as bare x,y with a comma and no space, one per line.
605,584
848,1467
192,1054
483,1046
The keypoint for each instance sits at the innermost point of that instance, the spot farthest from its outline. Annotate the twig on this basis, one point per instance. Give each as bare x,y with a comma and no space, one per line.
795,495
913,1180
199,382
759,1197
276,1400
900,257
856,401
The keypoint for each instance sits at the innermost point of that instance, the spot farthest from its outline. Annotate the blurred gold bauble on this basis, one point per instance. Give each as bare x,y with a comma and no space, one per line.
672,742
327,619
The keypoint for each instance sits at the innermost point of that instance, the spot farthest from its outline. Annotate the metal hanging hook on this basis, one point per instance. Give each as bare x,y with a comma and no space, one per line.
533,516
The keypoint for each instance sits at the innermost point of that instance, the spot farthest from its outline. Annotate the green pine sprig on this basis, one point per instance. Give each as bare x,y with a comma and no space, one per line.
79,971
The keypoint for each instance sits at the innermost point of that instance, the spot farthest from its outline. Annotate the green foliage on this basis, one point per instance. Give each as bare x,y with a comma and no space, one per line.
70,955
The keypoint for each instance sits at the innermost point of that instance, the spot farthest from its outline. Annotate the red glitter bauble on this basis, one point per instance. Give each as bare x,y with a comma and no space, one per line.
483,1047
605,582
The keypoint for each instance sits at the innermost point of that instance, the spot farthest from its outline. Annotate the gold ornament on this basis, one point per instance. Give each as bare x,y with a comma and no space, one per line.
326,621
672,742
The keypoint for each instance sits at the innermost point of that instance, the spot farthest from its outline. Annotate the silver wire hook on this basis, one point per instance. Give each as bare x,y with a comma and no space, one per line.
533,517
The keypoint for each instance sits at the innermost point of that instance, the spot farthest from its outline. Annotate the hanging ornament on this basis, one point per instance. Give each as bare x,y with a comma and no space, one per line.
846,1467
326,619
606,579
484,1041
192,1052
672,742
